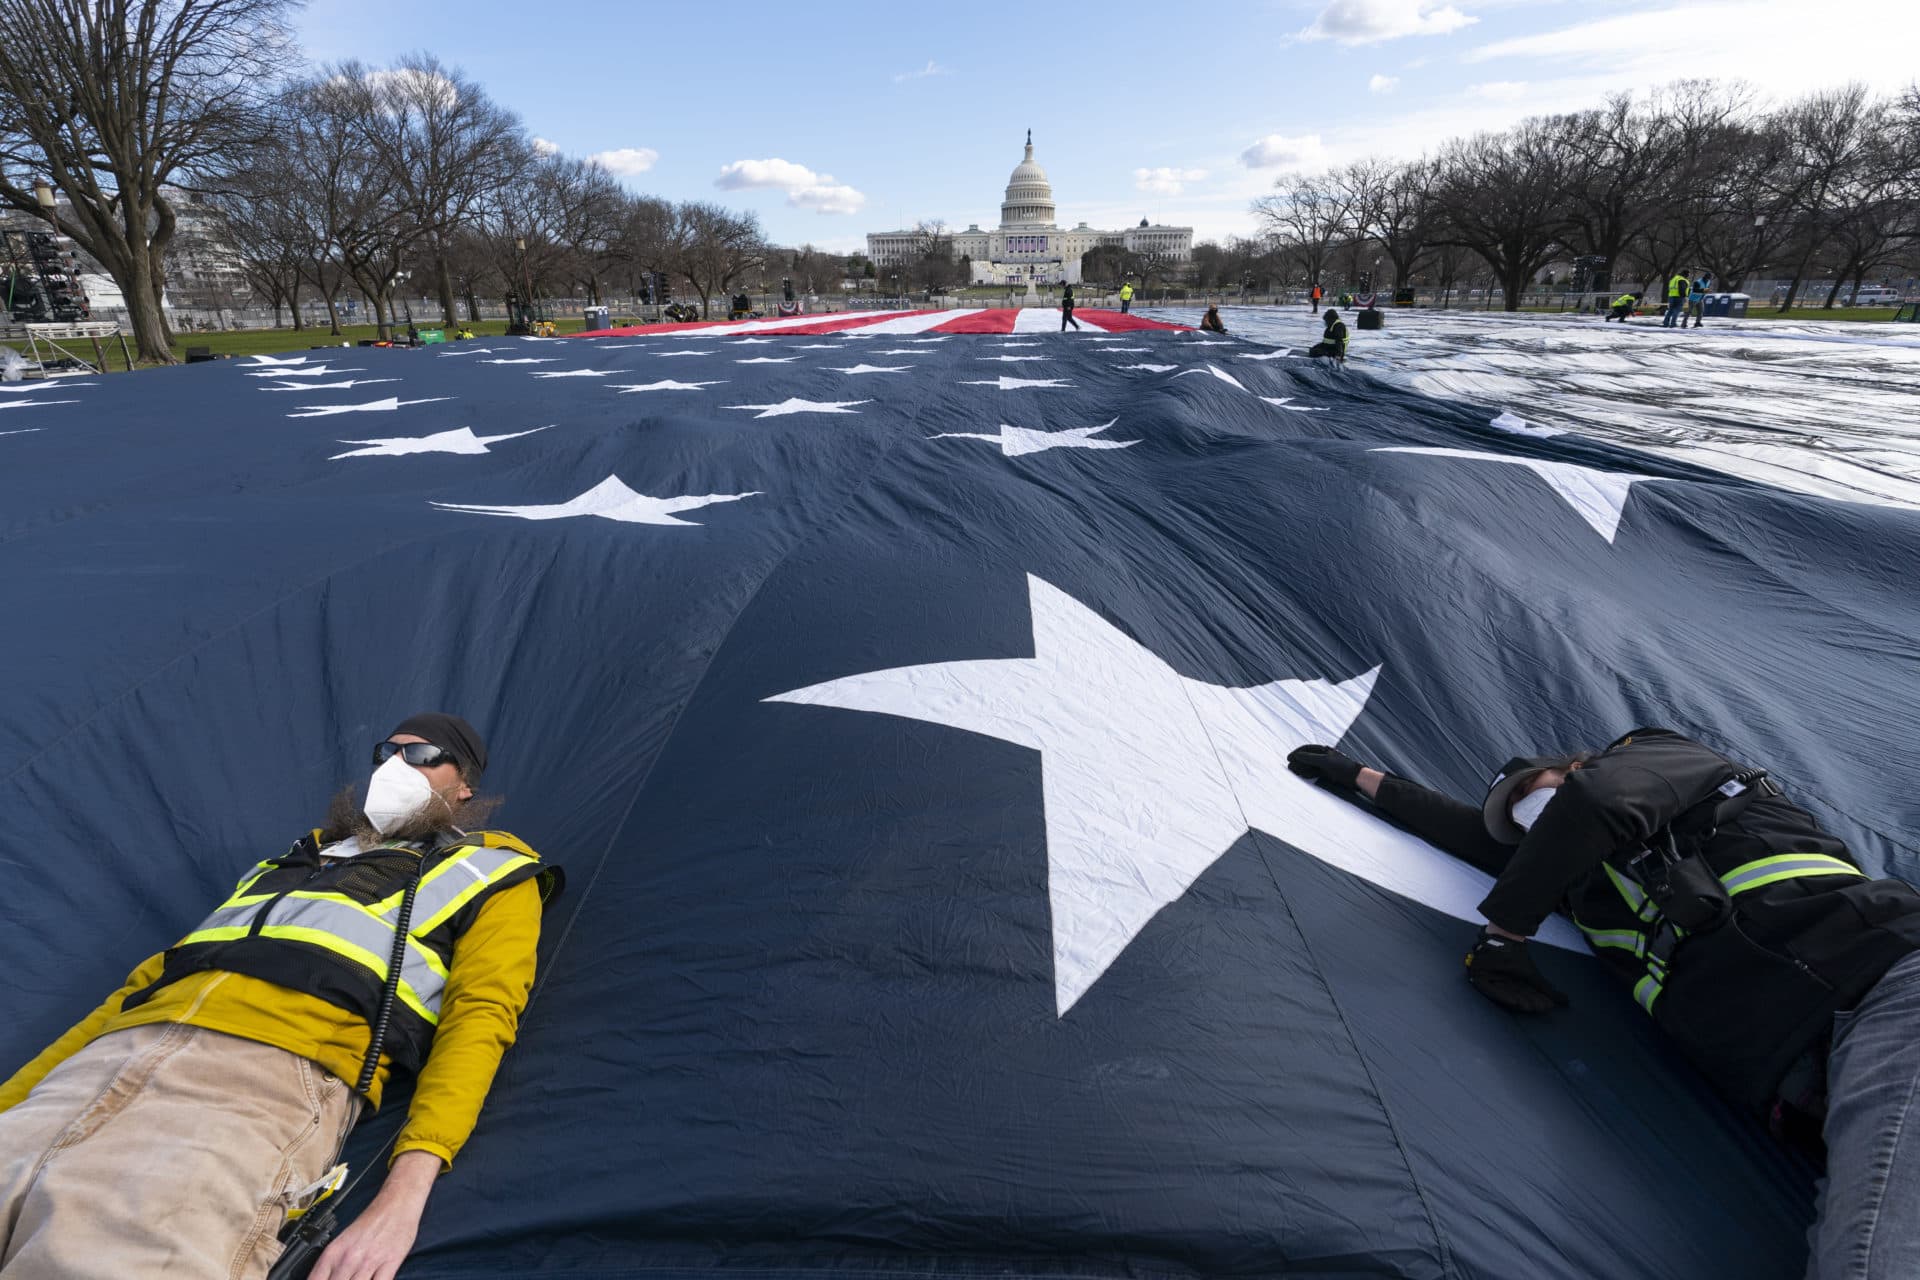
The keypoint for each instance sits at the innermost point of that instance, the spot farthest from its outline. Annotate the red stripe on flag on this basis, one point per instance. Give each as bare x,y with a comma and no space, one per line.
997,320
721,328
1115,322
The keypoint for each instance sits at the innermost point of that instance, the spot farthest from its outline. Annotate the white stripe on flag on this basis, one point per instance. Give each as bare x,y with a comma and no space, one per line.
918,324
1037,320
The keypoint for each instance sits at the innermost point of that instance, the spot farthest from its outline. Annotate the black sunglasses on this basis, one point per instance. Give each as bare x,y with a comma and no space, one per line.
423,754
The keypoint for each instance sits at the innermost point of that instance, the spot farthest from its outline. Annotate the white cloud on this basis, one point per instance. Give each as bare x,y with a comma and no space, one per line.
625,162
1499,90
805,188
1166,181
1370,21
541,147
931,69
1277,151
1382,84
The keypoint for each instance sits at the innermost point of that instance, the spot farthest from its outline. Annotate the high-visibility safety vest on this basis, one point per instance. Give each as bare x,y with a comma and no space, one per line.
1126,293
325,926
1653,940
1677,287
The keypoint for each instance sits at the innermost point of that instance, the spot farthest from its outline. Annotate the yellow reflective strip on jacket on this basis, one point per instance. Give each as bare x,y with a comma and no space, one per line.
484,878
339,946
1646,991
1785,866
1622,939
219,933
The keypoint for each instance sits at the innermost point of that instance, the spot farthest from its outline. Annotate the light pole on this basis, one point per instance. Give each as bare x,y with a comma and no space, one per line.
523,323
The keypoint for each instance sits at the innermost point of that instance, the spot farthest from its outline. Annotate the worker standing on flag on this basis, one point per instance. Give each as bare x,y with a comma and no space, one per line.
1126,296
1750,935
1677,289
1066,308
174,1129
1313,299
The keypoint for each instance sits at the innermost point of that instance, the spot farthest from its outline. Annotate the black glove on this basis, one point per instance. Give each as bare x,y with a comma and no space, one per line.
1324,765
1501,970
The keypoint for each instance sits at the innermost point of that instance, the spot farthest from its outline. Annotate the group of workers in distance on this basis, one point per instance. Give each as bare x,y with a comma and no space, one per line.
1684,294
238,1059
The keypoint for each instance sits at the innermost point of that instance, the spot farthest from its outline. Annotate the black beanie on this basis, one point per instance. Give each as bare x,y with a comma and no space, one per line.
452,735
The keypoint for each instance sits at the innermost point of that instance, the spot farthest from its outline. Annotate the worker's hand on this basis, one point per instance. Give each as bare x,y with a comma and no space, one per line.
1324,765
1501,970
379,1240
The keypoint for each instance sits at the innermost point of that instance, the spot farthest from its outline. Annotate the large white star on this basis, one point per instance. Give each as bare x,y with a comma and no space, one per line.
468,351
790,405
609,500
310,371
1112,349
767,359
1014,441
372,406
902,351
21,431
1150,368
818,346
45,384
668,355
522,360
1149,776
460,440
572,373
1270,355
1286,402
665,384
260,360
873,368
1225,377
1015,384
1009,359
33,404
1514,424
327,386
1598,496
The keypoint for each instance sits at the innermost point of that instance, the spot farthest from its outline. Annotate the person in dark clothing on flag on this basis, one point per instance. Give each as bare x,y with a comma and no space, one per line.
1333,340
1066,308
1211,321
1749,934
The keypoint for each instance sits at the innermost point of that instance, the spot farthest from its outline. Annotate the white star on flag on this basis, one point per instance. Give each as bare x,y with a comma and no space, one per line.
788,406
468,351
611,499
1019,344
1227,378
34,404
820,346
1270,355
668,355
665,384
1286,402
768,360
20,431
1009,359
311,371
522,360
1015,384
1148,776
749,342
927,342
1598,496
901,351
572,373
372,406
460,440
280,359
327,386
1150,368
1205,342
1014,441
1118,349
874,368
28,388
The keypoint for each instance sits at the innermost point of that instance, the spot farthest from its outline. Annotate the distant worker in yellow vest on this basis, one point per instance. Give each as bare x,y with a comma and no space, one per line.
1126,297
173,1130
1622,307
1677,290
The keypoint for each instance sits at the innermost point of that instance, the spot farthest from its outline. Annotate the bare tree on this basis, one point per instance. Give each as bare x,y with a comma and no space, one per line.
1832,135
1393,206
714,247
443,146
1501,196
930,261
1307,217
116,101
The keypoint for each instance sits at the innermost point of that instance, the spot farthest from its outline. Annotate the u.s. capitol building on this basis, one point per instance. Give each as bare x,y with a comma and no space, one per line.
1028,244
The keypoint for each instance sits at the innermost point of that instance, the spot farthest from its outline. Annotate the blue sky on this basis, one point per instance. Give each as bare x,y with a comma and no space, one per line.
860,117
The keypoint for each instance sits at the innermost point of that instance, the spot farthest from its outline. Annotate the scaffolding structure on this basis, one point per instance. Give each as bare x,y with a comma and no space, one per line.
42,280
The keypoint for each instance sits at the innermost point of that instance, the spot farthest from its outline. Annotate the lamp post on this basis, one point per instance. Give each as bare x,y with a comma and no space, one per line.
522,323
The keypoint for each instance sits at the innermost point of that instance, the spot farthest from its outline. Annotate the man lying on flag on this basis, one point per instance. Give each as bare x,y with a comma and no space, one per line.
175,1128
1786,974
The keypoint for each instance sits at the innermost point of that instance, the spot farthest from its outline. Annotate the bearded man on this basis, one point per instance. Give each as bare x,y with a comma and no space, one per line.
176,1127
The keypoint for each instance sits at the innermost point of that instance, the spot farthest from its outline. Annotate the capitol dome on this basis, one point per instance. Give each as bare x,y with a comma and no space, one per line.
1029,198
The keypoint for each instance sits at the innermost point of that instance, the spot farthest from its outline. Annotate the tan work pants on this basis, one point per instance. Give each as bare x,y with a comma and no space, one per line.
164,1151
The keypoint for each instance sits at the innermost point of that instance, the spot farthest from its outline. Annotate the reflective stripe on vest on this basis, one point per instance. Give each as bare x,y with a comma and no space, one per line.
1757,874
363,934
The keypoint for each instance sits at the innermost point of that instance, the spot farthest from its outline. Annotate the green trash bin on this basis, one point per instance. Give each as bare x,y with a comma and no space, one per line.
430,336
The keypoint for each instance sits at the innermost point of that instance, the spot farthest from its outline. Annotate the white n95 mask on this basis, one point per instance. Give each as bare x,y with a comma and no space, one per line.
397,791
1526,810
